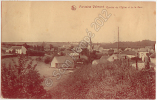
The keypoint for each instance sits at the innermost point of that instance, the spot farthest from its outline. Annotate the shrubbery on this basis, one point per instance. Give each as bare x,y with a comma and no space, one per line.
35,53
21,80
48,59
107,81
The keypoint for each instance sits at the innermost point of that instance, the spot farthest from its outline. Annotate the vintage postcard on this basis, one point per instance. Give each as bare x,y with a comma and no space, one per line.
78,50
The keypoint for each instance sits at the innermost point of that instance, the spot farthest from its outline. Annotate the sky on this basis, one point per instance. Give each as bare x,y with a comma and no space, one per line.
55,21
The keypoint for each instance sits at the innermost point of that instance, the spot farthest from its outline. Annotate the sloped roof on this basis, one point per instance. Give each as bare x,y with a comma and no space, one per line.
142,50
104,57
129,52
83,56
16,47
62,59
96,47
97,61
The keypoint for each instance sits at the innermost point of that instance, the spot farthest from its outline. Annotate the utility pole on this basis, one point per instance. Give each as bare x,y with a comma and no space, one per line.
118,43
90,46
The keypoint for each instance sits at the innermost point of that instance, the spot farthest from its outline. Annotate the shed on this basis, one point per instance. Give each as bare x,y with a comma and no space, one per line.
62,61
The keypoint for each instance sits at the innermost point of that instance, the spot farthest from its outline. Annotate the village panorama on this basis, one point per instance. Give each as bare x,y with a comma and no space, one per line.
78,50
119,63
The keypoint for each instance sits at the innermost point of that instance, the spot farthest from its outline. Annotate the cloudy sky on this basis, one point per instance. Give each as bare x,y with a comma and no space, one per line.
53,21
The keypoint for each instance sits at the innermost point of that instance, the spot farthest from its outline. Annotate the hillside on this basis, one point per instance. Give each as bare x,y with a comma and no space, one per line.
108,81
138,44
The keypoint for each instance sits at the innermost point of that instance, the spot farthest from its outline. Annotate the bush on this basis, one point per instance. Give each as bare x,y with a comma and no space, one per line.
21,81
35,53
114,80
47,60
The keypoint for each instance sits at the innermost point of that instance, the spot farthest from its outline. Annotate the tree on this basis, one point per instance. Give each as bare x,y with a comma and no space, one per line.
110,52
26,46
21,80
85,51
71,47
13,52
51,46
93,56
122,48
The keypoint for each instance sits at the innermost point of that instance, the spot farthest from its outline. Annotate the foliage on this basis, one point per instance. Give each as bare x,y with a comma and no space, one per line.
26,46
48,59
114,80
110,52
51,46
35,53
137,44
21,80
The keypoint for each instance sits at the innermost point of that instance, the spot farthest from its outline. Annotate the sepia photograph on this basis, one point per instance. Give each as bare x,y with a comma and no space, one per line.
78,49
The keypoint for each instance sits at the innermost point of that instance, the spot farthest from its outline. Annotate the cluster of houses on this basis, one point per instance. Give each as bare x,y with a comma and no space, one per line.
128,53
17,50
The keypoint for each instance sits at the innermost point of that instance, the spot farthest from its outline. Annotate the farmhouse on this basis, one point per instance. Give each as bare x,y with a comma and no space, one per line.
62,61
17,49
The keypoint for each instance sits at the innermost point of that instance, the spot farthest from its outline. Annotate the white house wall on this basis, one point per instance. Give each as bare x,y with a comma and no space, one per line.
23,50
53,63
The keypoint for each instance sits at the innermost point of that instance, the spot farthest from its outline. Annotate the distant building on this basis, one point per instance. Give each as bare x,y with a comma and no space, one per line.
102,60
105,51
47,47
140,65
96,47
100,49
66,46
129,54
112,57
153,59
116,50
142,53
17,50
95,62
62,61
127,49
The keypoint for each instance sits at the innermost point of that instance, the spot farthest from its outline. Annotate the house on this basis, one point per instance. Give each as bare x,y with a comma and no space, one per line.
100,49
95,62
153,60
47,47
143,49
62,61
129,54
127,49
142,53
140,65
96,47
116,50
17,50
102,60
105,51
83,57
66,46
112,57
